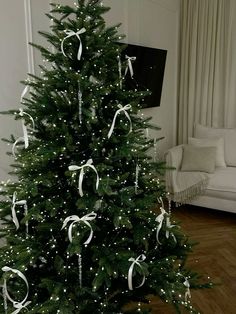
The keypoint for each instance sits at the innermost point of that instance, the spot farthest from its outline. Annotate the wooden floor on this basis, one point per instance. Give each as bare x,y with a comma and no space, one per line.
214,256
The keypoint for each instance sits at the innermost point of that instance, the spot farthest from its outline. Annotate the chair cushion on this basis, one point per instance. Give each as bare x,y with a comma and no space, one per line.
217,142
198,159
224,180
229,140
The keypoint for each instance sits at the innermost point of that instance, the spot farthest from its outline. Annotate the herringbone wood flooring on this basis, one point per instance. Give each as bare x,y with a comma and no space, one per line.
214,256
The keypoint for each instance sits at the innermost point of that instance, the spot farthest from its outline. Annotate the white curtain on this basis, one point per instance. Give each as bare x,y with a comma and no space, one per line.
207,67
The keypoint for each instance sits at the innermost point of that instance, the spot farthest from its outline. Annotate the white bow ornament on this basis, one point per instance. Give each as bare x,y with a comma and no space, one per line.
75,219
169,226
187,293
160,218
129,65
122,109
13,210
137,262
17,305
81,175
22,113
71,33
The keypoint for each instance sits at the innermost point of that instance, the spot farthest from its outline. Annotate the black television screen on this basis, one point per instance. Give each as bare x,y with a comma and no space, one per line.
149,68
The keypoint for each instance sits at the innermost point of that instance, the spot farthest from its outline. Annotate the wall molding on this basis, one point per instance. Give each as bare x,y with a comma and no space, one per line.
29,36
50,8
51,24
126,20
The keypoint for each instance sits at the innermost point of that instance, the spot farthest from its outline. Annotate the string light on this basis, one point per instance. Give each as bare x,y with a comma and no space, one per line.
54,194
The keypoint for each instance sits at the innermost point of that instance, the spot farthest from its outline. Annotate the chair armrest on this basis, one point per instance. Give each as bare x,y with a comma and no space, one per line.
174,157
173,160
182,186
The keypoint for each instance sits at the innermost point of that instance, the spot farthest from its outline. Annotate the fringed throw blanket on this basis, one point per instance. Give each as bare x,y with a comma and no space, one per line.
183,186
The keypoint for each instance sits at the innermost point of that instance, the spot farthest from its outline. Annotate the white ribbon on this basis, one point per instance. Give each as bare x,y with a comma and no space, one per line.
169,226
160,218
129,65
75,219
14,217
187,293
20,139
17,305
25,133
71,33
81,175
137,262
25,91
126,107
25,137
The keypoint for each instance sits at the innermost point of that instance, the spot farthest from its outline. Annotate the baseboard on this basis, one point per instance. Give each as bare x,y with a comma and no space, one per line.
214,203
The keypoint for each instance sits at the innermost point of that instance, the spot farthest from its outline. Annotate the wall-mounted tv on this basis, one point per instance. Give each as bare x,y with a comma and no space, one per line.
149,68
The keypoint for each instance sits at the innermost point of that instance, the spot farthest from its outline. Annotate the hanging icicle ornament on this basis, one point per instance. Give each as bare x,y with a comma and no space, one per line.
80,269
98,204
93,112
22,113
130,66
121,109
75,220
69,34
120,71
80,103
17,305
155,150
94,80
13,210
147,133
136,178
187,293
137,262
81,175
4,293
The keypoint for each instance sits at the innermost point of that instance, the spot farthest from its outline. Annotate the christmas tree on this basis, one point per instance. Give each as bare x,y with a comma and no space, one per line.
79,223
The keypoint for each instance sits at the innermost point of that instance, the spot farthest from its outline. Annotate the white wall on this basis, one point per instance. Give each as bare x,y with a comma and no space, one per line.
13,64
152,23
20,21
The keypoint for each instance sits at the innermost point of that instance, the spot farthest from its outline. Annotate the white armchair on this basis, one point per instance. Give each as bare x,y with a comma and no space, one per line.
215,190
182,186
